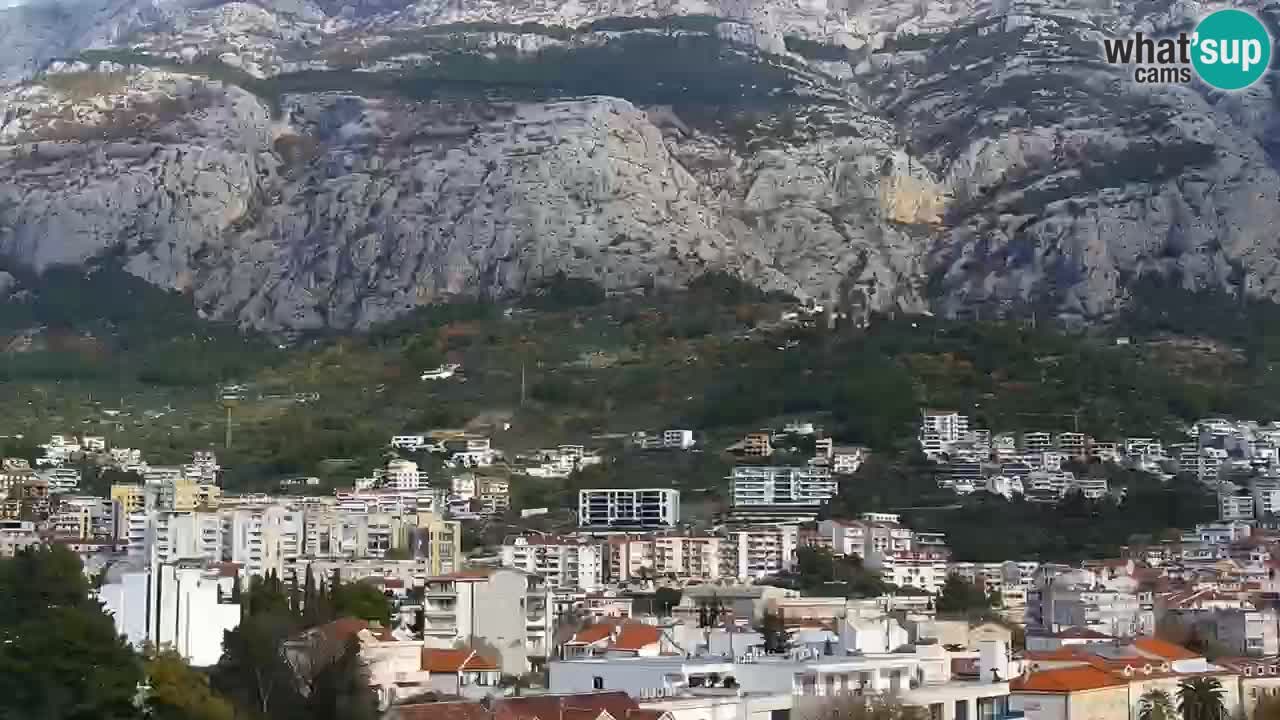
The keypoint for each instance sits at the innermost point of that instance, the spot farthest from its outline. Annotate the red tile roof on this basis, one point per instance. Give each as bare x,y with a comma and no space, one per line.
636,636
441,711
549,707
454,661
1067,680
1163,649
591,634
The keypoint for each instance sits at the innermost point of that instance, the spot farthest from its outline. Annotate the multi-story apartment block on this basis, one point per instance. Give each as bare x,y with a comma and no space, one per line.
922,570
629,508
263,539
1236,507
989,576
562,562
1060,600
803,489
1266,497
402,475
630,557
755,553
1036,442
61,479
1071,444
677,439
691,557
507,608
84,517
940,430
437,542
173,536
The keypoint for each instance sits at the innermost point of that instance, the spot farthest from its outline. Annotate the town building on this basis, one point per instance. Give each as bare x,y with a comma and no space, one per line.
506,608
628,508
184,605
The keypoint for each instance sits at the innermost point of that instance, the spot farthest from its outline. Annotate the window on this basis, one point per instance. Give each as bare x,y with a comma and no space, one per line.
597,682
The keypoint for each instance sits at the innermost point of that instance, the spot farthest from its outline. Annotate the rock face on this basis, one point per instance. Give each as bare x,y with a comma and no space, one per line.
299,165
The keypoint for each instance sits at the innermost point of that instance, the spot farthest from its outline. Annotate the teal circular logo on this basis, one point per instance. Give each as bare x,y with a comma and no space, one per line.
1231,49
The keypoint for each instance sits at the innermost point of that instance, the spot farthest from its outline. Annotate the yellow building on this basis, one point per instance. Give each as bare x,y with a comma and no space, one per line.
130,497
186,495
439,542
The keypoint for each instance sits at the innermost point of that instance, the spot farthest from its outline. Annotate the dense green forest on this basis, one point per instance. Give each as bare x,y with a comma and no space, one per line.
988,528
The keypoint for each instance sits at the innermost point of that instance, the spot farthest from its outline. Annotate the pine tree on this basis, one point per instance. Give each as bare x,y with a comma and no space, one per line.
309,599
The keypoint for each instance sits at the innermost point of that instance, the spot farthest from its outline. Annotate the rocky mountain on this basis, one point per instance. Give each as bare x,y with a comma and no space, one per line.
300,164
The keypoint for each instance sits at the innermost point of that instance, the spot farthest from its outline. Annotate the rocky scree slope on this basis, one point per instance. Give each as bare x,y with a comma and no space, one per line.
305,165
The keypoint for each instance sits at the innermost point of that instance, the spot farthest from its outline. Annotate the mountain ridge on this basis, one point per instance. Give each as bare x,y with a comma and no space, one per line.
297,166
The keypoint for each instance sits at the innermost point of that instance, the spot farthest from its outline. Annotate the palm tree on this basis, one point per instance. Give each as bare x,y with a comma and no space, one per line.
1156,705
1201,699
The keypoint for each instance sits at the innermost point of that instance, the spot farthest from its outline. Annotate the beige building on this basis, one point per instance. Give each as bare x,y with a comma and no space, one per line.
1258,678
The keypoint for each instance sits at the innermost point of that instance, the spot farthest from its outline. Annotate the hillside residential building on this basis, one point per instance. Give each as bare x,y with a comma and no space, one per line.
755,553
1106,680
628,508
925,678
689,557
925,571
507,608
803,489
940,430
561,562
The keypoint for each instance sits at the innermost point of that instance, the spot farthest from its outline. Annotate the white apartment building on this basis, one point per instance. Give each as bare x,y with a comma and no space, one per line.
1036,442
1266,497
61,479
561,562
940,430
262,539
1071,444
403,475
800,683
1236,507
756,553
806,488
677,439
628,508
412,443
184,605
922,570
873,532
175,536
507,608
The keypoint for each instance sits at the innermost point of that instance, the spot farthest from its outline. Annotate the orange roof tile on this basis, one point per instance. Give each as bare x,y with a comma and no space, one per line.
441,660
1067,680
591,634
1163,649
635,636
